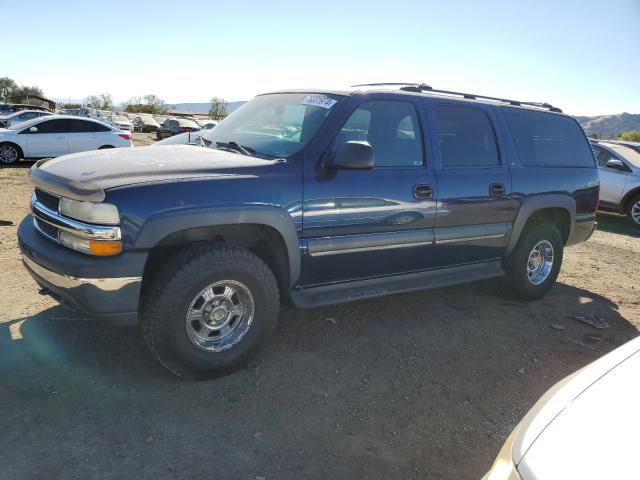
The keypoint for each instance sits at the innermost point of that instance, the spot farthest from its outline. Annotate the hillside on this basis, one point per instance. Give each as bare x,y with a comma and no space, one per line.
610,126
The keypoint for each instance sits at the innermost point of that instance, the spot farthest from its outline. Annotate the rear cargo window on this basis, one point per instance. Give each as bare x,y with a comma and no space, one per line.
548,140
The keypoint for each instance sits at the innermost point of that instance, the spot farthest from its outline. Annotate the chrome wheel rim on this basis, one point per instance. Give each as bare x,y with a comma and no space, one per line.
635,212
220,315
8,154
540,262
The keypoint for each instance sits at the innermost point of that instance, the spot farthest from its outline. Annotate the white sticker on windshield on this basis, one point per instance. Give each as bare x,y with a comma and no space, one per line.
318,101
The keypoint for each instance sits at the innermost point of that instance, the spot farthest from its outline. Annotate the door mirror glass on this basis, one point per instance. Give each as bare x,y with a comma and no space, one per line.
353,155
616,165
33,129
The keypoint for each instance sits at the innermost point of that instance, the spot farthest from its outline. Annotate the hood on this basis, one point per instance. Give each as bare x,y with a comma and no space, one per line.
87,175
594,436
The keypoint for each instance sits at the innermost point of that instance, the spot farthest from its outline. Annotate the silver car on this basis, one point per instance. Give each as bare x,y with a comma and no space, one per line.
619,164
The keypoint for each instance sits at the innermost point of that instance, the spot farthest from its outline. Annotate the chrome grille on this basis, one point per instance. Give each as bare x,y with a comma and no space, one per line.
47,230
47,199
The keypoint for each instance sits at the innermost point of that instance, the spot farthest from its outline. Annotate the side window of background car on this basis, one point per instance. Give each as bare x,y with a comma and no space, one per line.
466,137
78,126
52,126
392,130
602,155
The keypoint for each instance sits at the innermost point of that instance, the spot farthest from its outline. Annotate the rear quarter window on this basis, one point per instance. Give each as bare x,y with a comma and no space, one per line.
548,139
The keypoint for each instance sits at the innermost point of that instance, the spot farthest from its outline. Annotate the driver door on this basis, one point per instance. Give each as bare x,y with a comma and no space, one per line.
50,140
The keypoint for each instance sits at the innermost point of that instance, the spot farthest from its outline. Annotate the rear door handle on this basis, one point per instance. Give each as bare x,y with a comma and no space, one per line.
422,191
496,190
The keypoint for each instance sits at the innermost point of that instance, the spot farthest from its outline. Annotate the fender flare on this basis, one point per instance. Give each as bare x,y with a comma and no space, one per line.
532,205
160,226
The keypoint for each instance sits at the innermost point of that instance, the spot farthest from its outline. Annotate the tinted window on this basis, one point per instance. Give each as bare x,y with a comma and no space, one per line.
548,139
52,126
391,128
602,155
84,126
466,137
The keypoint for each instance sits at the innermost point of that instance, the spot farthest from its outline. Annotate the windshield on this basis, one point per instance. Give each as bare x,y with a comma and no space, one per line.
120,119
276,125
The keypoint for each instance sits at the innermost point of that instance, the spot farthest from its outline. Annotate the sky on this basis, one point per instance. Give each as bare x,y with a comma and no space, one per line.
582,56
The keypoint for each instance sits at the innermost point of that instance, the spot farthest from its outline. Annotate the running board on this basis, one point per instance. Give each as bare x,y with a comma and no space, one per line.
377,287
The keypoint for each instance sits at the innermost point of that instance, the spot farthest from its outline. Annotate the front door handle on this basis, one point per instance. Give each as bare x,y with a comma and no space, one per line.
422,191
496,190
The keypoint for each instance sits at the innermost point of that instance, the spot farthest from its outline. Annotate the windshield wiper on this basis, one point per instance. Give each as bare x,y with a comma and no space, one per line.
235,146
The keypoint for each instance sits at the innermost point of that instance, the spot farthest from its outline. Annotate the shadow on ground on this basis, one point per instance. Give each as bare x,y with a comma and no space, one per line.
420,385
618,224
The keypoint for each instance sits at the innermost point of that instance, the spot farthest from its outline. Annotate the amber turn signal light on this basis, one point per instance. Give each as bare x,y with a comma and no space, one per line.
105,248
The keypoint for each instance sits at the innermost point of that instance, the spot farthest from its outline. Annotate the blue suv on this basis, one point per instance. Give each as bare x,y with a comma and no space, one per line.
311,198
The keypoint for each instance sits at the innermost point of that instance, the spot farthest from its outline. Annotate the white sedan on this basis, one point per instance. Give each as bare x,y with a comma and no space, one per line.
57,135
119,121
21,116
585,427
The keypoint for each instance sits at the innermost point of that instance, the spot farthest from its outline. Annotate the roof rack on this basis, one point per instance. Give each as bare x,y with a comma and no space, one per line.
391,84
421,87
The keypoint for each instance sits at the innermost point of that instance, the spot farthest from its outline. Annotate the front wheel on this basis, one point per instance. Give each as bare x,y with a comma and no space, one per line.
208,310
9,154
534,265
633,210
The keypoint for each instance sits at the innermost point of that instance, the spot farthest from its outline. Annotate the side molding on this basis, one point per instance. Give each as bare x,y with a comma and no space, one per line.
160,226
533,204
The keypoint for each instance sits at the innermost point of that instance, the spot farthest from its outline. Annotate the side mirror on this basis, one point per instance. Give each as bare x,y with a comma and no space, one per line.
353,156
616,165
33,129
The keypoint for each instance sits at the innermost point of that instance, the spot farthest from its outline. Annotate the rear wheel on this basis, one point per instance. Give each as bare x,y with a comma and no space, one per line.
9,154
534,265
633,210
105,147
208,310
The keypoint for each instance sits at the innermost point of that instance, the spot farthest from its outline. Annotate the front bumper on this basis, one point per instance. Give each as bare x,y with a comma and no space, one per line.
93,286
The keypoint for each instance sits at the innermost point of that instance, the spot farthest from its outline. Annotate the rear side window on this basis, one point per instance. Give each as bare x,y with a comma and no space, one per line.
466,137
548,140
84,126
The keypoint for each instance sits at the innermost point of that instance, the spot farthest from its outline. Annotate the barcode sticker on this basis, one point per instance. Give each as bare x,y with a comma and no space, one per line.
318,101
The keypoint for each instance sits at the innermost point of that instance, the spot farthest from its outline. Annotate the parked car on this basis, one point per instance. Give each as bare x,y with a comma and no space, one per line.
57,135
207,124
70,111
619,165
21,116
584,427
377,192
120,122
87,112
9,108
185,138
174,126
145,123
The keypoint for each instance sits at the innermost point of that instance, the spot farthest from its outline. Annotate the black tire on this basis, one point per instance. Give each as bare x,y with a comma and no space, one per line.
175,287
104,147
10,154
518,281
634,202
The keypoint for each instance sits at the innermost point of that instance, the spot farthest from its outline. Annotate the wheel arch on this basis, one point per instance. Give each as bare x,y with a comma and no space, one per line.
630,195
14,144
268,232
557,209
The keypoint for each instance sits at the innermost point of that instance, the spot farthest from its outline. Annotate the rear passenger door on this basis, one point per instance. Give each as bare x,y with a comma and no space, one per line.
85,135
612,181
474,210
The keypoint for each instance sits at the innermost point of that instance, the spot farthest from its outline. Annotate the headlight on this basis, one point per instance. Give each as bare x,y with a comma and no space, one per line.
503,467
90,212
91,247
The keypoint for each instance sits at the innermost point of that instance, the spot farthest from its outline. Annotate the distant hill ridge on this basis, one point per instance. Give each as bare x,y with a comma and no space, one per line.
202,107
610,126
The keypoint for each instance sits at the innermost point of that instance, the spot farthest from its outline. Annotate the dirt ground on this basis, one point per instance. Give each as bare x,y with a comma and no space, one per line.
420,385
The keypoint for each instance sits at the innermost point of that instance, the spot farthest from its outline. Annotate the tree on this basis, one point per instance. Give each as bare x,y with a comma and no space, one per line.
630,136
103,101
218,108
147,104
26,90
8,88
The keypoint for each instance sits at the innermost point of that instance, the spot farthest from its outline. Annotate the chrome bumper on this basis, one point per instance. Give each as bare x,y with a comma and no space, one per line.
92,296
